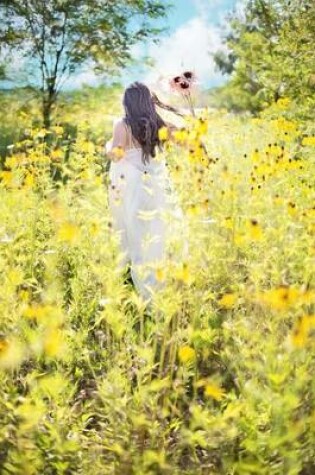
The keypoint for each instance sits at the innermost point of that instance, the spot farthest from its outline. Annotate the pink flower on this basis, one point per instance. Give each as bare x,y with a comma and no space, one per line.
183,83
189,76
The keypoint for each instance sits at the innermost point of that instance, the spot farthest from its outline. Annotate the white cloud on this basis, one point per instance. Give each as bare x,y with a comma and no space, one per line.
205,8
188,47
217,11
240,9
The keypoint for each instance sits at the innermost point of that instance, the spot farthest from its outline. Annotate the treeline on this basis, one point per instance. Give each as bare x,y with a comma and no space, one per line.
58,39
270,55
89,107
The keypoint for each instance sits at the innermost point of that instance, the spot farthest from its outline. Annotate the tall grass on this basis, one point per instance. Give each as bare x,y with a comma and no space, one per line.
217,378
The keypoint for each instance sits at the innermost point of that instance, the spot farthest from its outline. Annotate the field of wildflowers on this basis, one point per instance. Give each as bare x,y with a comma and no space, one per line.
218,378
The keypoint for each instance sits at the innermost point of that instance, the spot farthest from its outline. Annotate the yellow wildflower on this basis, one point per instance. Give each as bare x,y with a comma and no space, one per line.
186,354
180,135
42,133
308,141
29,180
57,154
3,346
183,274
202,126
87,147
255,157
255,230
279,298
283,102
15,276
98,181
57,129
307,297
193,210
68,232
53,342
11,353
292,209
24,295
95,228
214,391
228,300
163,133
278,200
228,222
50,315
11,162
301,331
6,177
118,153
160,274
239,239
38,312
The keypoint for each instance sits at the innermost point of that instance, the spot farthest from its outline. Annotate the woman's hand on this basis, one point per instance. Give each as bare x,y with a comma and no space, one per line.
171,127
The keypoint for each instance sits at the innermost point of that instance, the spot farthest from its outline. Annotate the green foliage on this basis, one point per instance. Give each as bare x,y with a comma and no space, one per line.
217,378
270,56
60,36
20,112
2,72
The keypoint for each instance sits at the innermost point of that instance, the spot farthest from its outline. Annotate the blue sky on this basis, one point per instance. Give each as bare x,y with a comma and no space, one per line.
194,31
184,10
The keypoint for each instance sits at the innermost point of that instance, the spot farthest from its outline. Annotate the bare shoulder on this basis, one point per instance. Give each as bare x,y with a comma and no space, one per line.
120,131
119,123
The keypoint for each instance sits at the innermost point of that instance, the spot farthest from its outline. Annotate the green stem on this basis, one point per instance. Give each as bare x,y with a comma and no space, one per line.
191,105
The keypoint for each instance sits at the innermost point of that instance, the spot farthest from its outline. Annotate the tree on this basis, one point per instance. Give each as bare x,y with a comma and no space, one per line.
2,72
58,37
270,54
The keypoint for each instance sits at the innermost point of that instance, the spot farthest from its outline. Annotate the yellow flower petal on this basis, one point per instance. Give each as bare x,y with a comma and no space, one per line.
228,300
186,354
211,390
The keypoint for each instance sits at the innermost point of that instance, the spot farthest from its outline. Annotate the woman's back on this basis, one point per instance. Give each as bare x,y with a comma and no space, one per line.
132,151
123,137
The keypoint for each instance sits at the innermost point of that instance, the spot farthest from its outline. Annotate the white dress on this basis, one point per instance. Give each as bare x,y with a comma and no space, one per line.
140,197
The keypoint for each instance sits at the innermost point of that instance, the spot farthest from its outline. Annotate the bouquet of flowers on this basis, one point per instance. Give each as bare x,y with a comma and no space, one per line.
184,84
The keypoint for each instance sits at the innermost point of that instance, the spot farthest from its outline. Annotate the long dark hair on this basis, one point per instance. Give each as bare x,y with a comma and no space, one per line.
143,119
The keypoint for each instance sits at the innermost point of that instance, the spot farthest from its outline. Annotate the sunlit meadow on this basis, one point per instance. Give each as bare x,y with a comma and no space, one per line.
218,378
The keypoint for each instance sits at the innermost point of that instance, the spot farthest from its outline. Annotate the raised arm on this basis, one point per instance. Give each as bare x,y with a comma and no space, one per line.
171,127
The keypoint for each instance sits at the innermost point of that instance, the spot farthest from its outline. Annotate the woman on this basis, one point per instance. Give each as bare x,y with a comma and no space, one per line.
138,188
